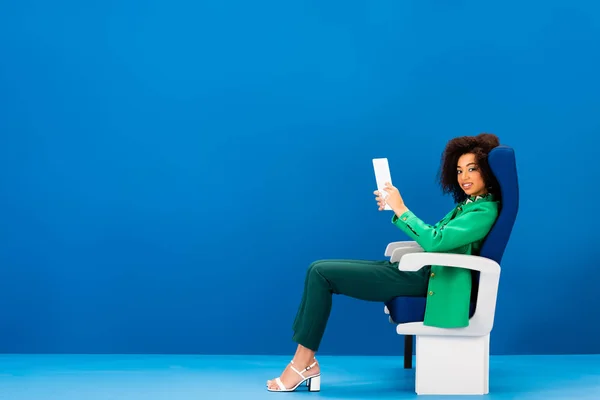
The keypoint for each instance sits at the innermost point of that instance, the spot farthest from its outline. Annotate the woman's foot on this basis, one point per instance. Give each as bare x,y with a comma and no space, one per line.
290,378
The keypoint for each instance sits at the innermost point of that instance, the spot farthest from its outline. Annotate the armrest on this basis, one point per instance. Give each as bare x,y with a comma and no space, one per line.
400,252
389,250
416,261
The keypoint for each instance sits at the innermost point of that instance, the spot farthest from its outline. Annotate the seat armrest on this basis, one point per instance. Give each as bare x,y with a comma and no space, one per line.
416,261
389,250
402,251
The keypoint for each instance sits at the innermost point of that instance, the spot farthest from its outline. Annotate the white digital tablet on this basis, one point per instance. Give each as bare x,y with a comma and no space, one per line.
382,175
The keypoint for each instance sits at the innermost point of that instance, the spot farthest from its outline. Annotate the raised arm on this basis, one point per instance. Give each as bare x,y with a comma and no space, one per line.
473,225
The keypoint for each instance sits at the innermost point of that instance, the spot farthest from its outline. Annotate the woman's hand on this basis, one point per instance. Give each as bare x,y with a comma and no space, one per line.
380,200
394,199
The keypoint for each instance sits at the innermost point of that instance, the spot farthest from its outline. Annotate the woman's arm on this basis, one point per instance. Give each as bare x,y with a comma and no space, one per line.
471,226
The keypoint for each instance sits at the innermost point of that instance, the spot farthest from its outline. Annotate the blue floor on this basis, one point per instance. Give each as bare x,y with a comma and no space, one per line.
153,377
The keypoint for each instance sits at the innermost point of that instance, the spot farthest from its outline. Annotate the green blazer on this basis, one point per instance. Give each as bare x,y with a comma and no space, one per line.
461,231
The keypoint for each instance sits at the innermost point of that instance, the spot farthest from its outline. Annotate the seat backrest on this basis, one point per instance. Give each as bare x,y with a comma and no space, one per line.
504,167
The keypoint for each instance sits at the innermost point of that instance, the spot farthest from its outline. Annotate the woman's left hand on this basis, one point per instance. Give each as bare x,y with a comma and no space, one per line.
394,199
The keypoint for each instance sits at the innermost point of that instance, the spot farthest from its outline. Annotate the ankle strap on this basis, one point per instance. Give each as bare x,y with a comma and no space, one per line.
301,373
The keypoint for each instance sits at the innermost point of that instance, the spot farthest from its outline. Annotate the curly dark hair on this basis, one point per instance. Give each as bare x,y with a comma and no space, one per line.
480,146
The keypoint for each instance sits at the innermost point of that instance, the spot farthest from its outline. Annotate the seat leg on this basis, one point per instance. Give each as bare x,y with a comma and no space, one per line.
452,365
408,351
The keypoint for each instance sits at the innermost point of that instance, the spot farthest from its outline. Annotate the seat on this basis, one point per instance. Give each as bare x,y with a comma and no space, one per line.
456,361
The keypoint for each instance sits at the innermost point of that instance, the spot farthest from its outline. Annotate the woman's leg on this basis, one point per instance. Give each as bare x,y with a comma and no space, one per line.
366,280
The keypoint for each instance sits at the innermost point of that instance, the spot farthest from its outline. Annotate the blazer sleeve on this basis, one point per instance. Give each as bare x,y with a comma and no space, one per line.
473,225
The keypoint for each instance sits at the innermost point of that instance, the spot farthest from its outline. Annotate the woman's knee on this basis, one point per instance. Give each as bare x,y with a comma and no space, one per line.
318,265
317,262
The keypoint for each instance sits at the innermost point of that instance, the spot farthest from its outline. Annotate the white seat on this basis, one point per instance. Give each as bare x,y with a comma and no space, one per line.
456,361
451,361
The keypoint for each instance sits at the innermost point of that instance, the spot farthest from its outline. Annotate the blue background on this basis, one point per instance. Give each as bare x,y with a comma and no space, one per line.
169,169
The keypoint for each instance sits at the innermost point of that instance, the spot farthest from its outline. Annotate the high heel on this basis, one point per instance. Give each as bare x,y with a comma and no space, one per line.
313,381
314,384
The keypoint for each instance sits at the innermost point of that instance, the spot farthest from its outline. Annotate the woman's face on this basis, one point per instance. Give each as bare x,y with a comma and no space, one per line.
469,176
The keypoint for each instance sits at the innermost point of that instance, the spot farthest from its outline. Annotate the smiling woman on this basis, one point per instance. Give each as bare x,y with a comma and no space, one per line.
464,173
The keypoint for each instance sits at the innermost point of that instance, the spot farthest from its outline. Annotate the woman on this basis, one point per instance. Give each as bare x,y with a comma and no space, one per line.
465,174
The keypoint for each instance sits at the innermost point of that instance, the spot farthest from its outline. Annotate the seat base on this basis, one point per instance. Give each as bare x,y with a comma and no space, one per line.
452,365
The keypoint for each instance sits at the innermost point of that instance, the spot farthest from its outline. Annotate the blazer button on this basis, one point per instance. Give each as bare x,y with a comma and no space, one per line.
430,293
432,274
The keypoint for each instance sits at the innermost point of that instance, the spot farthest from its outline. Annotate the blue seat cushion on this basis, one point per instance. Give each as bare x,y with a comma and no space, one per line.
407,309
411,309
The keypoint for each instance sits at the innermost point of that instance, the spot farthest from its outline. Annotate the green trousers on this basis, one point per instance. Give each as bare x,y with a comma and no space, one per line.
378,281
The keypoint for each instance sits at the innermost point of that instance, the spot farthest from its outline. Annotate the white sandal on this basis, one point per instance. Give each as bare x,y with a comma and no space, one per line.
313,382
